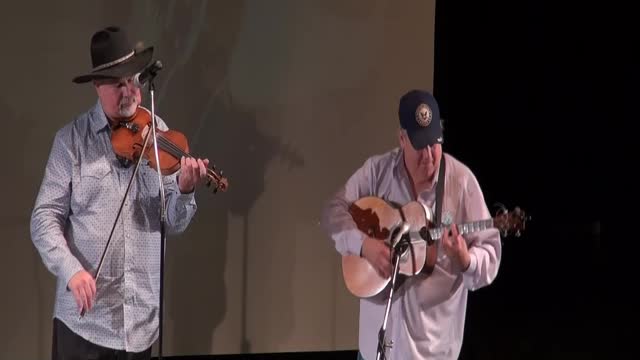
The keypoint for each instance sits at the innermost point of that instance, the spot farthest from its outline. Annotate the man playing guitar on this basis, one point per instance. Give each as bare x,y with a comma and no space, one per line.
427,315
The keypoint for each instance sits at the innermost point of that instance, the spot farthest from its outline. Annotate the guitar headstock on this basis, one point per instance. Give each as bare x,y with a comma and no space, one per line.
510,222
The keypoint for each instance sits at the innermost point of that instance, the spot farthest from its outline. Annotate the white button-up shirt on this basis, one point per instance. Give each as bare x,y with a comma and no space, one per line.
427,316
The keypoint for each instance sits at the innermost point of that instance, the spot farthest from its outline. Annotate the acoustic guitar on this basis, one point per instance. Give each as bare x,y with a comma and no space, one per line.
409,230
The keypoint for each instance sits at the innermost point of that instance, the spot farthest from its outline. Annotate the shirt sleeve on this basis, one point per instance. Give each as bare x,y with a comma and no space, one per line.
180,207
51,209
484,246
336,220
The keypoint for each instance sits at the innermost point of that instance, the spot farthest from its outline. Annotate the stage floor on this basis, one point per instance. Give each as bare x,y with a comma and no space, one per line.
338,355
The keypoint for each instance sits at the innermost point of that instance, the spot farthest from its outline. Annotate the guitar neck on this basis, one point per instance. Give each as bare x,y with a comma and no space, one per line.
465,228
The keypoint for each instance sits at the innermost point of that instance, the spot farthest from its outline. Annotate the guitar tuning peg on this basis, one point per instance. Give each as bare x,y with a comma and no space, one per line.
501,208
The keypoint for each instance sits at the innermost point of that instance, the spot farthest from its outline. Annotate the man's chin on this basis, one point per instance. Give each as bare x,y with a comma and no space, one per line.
128,112
426,167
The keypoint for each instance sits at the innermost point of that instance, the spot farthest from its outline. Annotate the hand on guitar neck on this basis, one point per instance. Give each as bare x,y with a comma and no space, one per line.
455,247
378,254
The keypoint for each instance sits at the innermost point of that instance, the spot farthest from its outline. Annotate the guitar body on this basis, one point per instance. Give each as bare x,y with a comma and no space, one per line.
379,220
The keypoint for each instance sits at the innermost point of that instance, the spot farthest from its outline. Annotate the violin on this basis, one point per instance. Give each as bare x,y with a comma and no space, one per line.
128,138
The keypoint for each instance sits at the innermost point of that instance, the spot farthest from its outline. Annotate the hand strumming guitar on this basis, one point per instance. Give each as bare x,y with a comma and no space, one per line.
378,254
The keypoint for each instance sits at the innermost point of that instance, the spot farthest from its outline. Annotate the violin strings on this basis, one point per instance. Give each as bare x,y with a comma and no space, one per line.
171,147
174,150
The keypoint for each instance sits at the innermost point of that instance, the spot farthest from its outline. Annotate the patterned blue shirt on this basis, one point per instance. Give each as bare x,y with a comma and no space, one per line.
83,186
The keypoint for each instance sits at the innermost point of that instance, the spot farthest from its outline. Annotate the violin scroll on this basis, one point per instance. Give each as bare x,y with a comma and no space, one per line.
221,183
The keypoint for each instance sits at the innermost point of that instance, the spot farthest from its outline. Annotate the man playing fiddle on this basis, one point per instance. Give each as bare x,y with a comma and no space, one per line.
78,201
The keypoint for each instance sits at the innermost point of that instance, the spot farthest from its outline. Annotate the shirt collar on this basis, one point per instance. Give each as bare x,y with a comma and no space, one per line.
401,170
98,119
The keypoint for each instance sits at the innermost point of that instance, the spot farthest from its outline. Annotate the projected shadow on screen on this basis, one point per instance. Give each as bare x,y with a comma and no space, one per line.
193,96
245,154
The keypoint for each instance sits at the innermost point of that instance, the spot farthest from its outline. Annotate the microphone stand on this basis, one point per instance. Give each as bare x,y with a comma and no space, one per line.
398,246
163,211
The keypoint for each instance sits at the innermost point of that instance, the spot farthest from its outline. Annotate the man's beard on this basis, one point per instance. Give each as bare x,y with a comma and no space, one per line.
127,107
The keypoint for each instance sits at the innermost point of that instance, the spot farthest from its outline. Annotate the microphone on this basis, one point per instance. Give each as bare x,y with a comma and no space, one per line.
140,79
402,230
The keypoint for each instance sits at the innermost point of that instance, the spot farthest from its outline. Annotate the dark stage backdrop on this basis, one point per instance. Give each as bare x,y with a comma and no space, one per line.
518,83
287,97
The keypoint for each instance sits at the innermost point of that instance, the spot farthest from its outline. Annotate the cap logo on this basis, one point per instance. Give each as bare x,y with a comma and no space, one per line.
423,115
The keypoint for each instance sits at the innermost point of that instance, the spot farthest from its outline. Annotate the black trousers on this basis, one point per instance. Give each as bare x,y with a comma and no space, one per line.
67,345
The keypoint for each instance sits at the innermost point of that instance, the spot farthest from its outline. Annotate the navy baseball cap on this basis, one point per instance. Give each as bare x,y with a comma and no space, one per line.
420,117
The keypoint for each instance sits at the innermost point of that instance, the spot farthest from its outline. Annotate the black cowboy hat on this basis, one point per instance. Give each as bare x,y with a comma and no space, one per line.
113,56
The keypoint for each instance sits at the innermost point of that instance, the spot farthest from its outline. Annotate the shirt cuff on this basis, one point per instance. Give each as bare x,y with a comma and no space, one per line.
68,269
473,264
187,197
354,243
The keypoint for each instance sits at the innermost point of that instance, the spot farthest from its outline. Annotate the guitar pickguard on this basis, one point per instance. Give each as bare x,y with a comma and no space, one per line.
368,222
